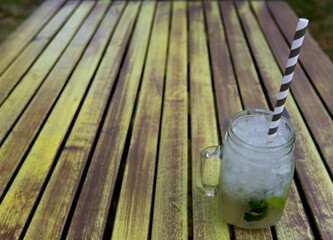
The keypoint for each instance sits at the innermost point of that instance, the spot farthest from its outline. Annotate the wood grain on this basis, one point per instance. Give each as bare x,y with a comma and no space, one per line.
16,102
98,189
317,118
21,197
17,40
17,69
48,222
226,88
318,187
294,223
314,61
207,221
18,141
246,74
138,181
171,194
87,225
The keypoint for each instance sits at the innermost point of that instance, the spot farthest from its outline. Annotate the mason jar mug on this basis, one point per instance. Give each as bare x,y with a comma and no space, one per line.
252,181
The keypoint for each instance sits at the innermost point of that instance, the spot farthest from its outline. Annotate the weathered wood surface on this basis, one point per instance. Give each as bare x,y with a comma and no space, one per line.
207,222
21,37
48,223
29,85
135,200
15,72
24,191
170,212
105,106
103,170
18,140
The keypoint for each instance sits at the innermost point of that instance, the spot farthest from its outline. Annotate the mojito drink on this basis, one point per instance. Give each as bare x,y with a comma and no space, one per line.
256,170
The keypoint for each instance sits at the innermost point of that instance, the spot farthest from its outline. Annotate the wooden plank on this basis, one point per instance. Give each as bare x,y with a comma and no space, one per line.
48,222
207,221
137,187
18,140
247,77
18,39
18,99
294,223
170,220
226,88
315,114
104,165
23,192
314,61
249,85
318,187
252,234
17,69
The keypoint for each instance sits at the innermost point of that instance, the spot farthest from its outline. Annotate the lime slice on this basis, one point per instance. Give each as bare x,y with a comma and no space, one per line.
277,202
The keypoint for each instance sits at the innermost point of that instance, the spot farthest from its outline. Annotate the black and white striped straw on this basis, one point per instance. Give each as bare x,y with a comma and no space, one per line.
288,74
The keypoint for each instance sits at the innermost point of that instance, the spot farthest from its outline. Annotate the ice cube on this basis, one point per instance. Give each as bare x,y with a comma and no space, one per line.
254,130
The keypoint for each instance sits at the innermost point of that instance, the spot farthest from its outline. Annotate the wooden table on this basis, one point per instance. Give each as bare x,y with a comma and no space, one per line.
106,106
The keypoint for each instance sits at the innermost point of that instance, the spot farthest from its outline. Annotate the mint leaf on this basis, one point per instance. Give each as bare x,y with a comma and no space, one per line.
257,204
258,211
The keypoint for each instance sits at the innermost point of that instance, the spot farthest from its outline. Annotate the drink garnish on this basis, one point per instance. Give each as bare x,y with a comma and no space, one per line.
277,202
258,211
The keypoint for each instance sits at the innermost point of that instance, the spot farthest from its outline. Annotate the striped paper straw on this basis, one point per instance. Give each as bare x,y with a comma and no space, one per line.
288,74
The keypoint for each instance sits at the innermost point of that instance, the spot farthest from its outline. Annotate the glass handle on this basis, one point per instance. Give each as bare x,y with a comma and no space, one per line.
208,170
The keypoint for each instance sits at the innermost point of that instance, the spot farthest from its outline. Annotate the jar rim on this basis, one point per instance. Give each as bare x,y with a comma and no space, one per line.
256,148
